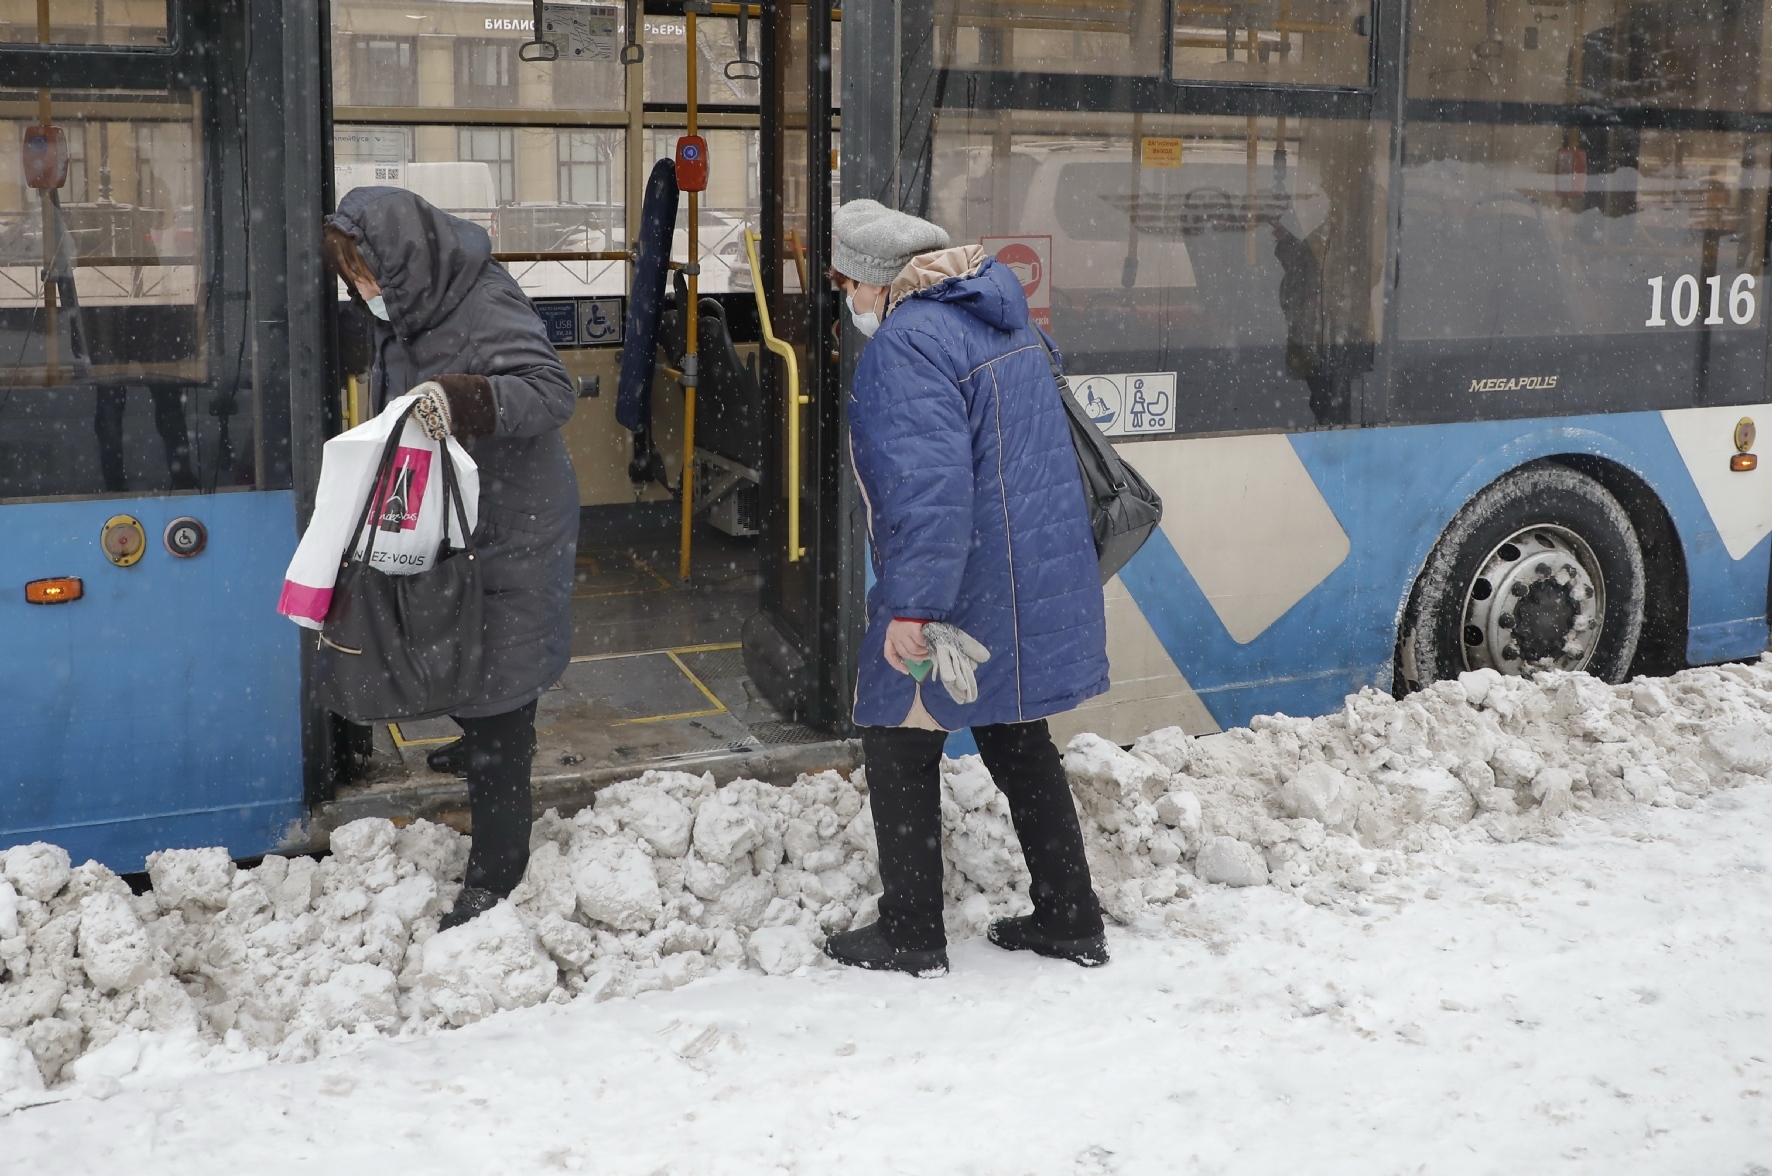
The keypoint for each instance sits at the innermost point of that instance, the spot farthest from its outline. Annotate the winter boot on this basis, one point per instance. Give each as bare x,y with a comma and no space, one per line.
471,903
866,947
1021,934
451,759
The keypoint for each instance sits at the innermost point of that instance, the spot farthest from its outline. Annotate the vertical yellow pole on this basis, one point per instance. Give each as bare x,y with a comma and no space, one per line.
691,362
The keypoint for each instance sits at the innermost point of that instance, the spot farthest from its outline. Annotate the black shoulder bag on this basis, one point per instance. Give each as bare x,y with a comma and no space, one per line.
1123,509
403,647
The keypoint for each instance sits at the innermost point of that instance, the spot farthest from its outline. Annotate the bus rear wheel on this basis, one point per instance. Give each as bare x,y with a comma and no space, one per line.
1540,571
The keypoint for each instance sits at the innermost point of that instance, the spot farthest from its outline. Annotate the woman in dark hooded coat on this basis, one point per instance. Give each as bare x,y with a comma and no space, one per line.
452,324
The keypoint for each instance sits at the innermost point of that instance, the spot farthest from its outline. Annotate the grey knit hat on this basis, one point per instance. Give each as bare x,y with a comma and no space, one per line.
873,243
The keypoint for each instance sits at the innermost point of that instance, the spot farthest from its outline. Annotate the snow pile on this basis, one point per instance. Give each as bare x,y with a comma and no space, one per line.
1324,806
668,877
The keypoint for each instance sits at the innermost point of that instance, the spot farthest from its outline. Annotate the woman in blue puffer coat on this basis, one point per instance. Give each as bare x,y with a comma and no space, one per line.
987,607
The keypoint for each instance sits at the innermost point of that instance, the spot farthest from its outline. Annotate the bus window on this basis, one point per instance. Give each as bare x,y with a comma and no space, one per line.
534,189
106,308
1669,54
1122,37
439,54
1545,220
1304,42
1242,254
137,23
716,43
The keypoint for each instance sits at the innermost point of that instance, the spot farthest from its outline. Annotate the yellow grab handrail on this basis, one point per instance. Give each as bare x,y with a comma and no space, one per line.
784,349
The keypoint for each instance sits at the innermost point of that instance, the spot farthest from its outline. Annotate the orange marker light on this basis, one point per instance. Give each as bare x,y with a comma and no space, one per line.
59,590
1742,462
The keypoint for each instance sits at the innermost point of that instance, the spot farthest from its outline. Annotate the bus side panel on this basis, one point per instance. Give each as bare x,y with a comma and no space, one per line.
163,708
1393,491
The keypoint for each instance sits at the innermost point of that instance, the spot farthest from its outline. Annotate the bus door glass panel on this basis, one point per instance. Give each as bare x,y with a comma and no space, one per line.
1557,255
108,381
788,257
1240,254
1290,42
130,24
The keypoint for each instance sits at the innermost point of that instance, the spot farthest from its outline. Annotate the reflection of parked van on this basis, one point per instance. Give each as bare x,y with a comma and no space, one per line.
1144,254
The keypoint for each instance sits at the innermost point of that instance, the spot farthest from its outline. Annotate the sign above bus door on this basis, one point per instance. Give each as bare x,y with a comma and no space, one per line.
1030,260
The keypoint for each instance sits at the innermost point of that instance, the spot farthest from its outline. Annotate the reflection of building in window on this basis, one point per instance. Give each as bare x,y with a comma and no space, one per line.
587,85
384,71
587,165
497,148
485,72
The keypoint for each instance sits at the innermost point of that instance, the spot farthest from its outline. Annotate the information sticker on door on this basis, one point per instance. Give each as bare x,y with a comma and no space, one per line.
1128,405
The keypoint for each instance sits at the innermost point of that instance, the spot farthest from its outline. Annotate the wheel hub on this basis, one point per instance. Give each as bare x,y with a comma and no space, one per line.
1536,603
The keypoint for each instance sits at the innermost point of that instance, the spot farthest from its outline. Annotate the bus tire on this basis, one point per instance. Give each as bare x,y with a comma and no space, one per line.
1548,544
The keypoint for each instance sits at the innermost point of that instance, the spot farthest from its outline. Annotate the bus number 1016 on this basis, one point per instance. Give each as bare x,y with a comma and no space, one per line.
1684,303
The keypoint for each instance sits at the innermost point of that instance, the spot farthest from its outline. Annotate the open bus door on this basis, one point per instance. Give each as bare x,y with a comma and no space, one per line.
799,647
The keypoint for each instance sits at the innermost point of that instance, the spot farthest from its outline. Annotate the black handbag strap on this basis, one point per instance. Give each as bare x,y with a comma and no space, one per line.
1098,443
452,492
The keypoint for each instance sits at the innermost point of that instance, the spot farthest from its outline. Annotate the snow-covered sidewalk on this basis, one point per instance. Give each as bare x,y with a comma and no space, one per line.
1597,1003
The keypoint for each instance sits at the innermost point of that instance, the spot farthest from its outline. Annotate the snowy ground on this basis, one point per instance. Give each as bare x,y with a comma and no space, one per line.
1498,925
1594,1004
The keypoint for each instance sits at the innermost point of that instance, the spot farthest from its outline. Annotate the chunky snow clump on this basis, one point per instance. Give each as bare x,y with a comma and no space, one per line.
668,877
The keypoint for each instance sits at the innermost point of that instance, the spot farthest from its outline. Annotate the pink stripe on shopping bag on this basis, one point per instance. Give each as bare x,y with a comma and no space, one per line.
299,600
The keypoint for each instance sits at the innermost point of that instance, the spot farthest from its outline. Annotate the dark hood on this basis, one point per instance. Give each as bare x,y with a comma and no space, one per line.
424,260
990,293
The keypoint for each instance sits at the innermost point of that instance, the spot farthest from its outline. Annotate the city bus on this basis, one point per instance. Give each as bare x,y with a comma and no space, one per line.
1438,327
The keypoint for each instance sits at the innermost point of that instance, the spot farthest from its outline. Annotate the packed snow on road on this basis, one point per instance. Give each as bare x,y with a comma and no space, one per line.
1501,924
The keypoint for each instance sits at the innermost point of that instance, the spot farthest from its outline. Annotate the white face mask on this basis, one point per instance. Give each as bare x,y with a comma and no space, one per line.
378,307
867,323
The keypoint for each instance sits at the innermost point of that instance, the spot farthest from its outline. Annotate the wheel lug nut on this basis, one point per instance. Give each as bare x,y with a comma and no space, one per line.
1517,588
1543,569
1506,621
1511,653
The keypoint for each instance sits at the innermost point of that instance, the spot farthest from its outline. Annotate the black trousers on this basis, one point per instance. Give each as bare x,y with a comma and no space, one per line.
904,788
499,751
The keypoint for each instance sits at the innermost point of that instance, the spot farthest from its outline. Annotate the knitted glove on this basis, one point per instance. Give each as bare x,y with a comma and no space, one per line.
432,410
957,656
471,406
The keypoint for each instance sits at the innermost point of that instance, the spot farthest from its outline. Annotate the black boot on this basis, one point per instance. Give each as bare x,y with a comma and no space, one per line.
471,903
866,947
1021,934
451,759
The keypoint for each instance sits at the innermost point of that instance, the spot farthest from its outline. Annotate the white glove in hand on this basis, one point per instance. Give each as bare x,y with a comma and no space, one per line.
432,410
956,656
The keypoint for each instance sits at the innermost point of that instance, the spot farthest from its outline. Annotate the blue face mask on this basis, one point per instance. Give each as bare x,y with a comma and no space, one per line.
378,307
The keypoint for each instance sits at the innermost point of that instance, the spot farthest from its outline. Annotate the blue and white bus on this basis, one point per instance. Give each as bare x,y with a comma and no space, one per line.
1439,326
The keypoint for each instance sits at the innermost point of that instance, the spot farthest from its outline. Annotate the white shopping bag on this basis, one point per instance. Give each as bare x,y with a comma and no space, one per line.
408,519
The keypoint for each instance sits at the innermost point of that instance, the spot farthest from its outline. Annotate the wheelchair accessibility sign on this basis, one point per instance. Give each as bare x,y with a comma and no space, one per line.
599,320
1128,405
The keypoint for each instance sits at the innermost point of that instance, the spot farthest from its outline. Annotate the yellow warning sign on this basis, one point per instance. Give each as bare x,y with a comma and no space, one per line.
1156,152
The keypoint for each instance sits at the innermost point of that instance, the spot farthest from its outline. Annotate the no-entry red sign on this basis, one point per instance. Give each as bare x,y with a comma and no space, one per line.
1030,260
